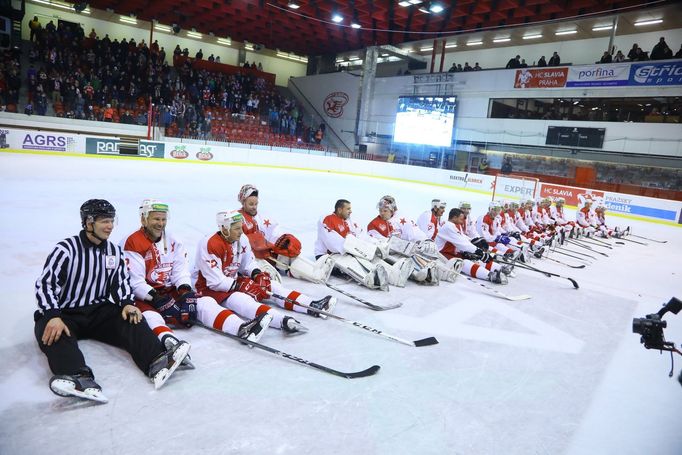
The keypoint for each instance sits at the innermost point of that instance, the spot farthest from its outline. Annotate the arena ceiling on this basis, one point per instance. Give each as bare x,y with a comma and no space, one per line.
309,29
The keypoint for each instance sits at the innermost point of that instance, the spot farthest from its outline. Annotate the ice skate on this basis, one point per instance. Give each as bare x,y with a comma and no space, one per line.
291,326
497,277
325,304
168,342
167,362
80,385
254,329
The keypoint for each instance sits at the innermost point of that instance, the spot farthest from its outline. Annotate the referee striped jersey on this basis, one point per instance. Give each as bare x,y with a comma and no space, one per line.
79,273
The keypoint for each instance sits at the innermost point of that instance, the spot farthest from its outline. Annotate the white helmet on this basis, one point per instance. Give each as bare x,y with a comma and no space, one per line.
152,205
246,191
438,204
494,205
228,218
387,202
465,205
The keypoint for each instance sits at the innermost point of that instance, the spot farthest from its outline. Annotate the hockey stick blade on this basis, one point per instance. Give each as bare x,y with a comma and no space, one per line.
647,238
357,374
371,305
575,283
581,266
430,341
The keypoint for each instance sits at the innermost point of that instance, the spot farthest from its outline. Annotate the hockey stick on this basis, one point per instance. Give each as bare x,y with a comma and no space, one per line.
417,343
547,274
565,250
371,305
513,298
570,255
596,242
576,243
646,238
357,374
581,266
634,241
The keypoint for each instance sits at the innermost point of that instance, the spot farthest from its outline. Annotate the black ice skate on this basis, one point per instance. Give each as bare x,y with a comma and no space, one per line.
254,329
166,363
292,326
168,342
325,304
81,385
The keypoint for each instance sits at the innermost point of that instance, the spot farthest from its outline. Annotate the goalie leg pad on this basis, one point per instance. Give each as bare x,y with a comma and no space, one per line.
399,272
316,272
425,271
360,248
373,276
402,247
265,266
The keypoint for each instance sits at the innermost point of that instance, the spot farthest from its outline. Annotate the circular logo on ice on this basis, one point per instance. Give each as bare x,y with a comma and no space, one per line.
334,102
643,73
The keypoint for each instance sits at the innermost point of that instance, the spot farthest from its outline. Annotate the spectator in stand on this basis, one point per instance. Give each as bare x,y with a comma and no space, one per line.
246,64
678,54
108,115
523,63
661,50
260,66
453,68
28,109
619,57
514,62
542,62
506,165
477,67
211,58
217,59
606,58
632,54
555,60
35,27
199,55
467,67
459,69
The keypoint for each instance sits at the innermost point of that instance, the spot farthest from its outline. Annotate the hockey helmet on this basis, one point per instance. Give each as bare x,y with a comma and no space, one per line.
93,209
438,204
152,205
387,202
228,218
246,191
494,205
465,205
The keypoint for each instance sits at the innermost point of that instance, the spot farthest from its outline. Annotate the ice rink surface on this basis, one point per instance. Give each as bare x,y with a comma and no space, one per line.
561,373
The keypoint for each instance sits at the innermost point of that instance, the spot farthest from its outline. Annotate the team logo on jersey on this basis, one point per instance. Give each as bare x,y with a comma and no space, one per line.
334,103
179,152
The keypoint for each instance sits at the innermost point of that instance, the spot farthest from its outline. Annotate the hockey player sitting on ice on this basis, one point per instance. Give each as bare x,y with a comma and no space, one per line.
272,246
406,242
556,212
84,292
338,235
510,228
431,220
225,269
453,243
585,219
602,228
489,227
161,281
469,227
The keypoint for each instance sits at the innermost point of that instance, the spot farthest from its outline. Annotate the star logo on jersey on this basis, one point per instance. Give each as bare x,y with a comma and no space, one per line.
266,223
402,221
243,250
382,227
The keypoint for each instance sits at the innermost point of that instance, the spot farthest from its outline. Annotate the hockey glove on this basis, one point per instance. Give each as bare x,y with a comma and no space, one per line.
503,239
516,235
262,279
480,242
287,245
187,303
248,286
469,256
482,255
167,307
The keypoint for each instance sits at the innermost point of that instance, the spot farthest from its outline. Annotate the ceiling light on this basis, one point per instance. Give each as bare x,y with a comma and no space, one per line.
567,32
225,41
415,2
600,28
293,5
404,3
532,36
355,25
436,8
194,35
649,22
425,49
337,18
501,40
450,46
474,43
128,20
424,10
162,28
58,4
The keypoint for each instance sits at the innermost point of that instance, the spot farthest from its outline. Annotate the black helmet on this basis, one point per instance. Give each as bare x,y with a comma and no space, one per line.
96,208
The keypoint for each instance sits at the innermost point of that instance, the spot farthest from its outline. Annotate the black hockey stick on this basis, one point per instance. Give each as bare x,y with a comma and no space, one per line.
513,298
634,241
581,266
647,238
596,242
570,255
417,343
547,274
371,305
579,253
357,374
576,243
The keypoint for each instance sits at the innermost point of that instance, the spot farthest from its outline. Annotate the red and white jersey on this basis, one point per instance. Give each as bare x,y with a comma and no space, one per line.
451,240
429,224
379,228
331,232
528,218
536,213
406,229
519,220
508,225
217,262
161,265
600,219
470,227
557,213
266,225
488,227
585,217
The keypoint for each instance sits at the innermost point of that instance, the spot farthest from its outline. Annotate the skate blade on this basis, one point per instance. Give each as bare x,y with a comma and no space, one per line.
178,356
65,389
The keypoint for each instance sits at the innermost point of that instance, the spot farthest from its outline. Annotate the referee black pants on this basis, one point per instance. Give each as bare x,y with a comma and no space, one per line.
103,323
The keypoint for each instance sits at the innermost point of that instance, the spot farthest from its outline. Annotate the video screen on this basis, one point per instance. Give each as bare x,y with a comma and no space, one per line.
427,120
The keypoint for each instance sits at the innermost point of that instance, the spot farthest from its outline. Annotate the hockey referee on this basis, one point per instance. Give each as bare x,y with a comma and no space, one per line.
84,292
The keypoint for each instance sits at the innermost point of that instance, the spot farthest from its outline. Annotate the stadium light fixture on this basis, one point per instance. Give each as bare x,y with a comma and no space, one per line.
128,20
600,28
293,5
337,18
474,43
450,46
566,32
404,3
355,25
538,35
648,22
436,8
501,40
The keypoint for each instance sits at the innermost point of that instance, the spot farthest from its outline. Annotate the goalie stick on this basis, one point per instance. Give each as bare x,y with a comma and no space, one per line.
417,343
357,374
513,298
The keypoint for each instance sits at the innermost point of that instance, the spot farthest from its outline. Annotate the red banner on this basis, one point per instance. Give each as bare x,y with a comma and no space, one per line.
572,194
541,78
